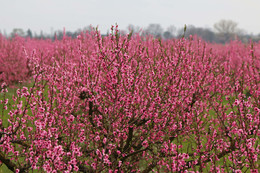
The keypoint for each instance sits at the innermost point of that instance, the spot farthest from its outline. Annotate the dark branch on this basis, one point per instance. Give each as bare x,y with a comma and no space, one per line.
129,138
10,165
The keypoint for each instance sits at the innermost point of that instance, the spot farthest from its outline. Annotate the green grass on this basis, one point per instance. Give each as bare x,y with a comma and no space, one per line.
4,169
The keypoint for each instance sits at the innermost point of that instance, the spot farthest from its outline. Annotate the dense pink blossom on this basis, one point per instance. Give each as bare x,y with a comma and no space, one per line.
125,103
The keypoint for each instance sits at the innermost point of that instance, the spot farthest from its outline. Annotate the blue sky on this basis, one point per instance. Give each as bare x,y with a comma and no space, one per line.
48,15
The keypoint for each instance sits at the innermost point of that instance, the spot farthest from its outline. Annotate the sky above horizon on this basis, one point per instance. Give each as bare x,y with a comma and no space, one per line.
52,15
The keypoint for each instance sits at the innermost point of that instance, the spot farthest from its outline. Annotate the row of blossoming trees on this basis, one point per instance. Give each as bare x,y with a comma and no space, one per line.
130,104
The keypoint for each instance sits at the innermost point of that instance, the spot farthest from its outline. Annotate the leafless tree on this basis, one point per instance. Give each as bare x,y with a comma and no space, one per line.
17,31
154,29
226,26
227,30
133,28
170,32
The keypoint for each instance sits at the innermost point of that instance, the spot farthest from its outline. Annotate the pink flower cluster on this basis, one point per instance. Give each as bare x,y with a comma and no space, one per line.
126,103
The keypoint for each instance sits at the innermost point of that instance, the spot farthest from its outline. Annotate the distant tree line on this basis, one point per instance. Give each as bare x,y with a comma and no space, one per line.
223,31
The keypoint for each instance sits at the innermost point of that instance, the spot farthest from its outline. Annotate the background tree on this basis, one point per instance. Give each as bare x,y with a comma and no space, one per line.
29,33
17,31
135,29
154,29
88,28
170,32
226,30
204,33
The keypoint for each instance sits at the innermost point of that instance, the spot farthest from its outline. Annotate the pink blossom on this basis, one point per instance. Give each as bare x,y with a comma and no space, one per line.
145,144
